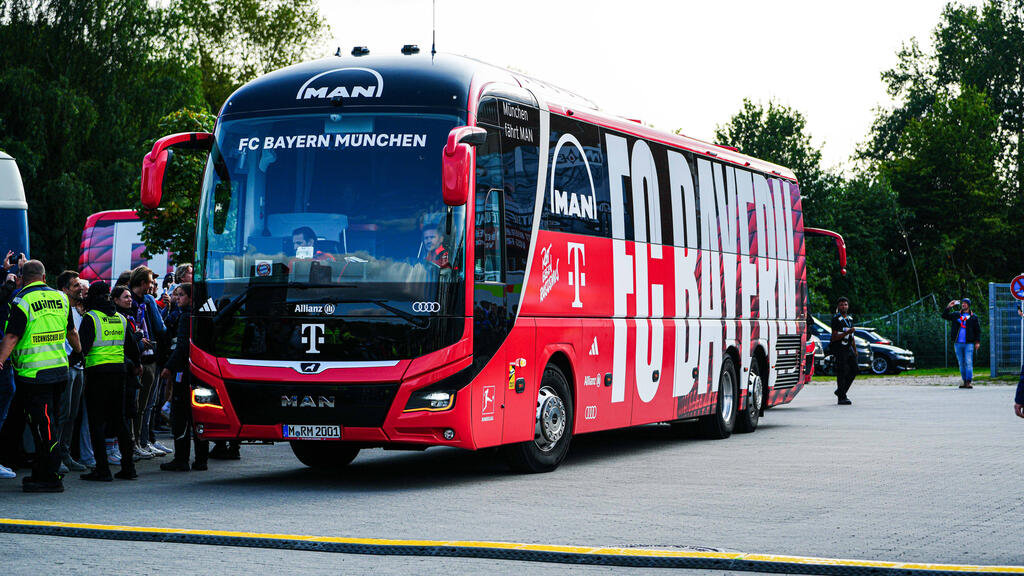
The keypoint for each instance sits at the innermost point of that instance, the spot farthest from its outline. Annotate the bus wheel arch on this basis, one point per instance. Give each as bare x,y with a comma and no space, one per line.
553,424
720,423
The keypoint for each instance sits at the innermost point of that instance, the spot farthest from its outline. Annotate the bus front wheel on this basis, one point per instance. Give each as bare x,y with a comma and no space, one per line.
720,424
552,427
330,456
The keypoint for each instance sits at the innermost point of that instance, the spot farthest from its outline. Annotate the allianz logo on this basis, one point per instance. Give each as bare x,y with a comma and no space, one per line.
315,309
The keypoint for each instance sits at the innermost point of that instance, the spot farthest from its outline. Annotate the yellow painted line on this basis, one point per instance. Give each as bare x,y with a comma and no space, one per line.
597,551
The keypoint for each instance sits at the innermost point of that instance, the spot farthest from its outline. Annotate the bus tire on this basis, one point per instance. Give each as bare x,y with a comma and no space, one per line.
719,425
552,427
329,456
747,419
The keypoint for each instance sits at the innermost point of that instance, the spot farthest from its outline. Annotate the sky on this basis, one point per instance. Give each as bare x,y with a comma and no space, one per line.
676,65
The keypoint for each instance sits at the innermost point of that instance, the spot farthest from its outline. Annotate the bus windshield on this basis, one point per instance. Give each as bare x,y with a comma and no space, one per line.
339,207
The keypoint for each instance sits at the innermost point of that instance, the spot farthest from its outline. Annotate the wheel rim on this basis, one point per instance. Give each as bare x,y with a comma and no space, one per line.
880,365
728,396
756,391
551,417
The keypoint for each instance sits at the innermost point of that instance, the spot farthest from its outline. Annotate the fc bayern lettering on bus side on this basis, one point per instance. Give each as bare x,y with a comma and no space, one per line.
348,83
571,202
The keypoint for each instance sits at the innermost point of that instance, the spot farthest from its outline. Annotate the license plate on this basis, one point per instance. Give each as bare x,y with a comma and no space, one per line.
311,432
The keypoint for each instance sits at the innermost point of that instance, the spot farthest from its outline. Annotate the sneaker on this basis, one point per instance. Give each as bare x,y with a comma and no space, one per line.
161,448
126,475
73,465
175,466
201,466
6,472
114,457
966,385
90,463
141,454
845,402
62,469
95,476
54,486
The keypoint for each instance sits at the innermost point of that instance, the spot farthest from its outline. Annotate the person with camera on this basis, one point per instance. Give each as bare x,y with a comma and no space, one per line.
966,337
844,350
7,388
39,322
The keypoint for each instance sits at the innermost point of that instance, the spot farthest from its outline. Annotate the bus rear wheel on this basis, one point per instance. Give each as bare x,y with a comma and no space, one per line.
552,427
329,456
748,418
720,424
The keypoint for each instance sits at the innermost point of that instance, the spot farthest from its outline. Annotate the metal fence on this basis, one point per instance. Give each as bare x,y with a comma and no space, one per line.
918,327
1005,348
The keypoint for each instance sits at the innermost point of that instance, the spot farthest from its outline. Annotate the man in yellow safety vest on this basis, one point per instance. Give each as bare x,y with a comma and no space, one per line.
39,321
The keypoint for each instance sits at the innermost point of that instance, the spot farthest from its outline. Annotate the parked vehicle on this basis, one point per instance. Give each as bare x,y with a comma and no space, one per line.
824,333
13,209
886,357
112,243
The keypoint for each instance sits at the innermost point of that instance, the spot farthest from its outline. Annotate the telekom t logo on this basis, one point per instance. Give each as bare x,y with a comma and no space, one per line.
315,336
577,259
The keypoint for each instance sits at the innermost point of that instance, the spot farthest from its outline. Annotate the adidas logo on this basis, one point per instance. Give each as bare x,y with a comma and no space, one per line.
593,347
209,306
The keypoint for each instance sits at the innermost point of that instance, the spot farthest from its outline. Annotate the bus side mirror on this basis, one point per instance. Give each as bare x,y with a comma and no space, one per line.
456,163
840,244
155,163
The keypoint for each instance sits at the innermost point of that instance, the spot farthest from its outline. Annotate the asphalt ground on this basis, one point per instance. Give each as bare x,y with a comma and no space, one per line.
908,473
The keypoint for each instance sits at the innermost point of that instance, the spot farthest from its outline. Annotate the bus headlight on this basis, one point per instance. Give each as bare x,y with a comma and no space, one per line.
430,401
203,395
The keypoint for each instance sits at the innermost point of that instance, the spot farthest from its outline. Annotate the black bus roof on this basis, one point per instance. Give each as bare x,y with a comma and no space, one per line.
435,83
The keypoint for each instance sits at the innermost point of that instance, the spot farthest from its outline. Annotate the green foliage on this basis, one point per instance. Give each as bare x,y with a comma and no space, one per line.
84,85
172,226
950,148
235,41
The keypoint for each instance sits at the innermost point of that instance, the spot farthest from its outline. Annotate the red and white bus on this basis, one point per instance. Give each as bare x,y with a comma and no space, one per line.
416,250
112,243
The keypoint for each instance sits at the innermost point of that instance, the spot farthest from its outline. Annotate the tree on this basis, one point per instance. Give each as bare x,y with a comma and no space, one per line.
944,172
235,41
80,85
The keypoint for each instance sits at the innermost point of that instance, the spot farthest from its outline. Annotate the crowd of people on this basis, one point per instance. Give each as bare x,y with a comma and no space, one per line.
94,373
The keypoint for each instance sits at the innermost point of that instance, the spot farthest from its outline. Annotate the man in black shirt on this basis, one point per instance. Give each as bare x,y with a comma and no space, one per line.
844,349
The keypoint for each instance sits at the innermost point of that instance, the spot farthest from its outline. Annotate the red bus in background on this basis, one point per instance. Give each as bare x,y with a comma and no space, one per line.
111,244
592,273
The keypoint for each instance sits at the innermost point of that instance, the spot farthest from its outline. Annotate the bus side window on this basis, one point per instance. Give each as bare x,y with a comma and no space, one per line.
489,245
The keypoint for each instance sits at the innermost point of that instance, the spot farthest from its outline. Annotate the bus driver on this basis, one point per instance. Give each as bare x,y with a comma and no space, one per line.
433,242
303,244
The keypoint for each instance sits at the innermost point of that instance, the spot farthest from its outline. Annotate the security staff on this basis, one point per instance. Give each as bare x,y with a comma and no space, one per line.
106,343
39,321
845,350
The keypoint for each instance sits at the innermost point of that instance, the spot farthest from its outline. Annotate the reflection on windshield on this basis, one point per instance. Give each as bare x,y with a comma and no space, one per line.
346,199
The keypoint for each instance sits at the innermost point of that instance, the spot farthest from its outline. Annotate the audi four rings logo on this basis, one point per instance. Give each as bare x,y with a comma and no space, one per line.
426,307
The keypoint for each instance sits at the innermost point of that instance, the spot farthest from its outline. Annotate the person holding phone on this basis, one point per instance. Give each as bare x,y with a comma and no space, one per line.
966,336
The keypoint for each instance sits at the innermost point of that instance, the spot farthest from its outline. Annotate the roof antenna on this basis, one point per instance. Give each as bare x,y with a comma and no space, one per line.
433,28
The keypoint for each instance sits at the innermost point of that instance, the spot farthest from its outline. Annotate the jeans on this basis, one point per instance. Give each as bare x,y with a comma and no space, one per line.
965,357
68,408
147,397
6,392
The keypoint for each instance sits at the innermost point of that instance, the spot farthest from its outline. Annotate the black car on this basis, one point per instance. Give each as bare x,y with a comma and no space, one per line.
824,334
886,358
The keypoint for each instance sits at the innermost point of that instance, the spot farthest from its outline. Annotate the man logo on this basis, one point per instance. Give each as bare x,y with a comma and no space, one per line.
310,367
342,83
307,402
572,203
